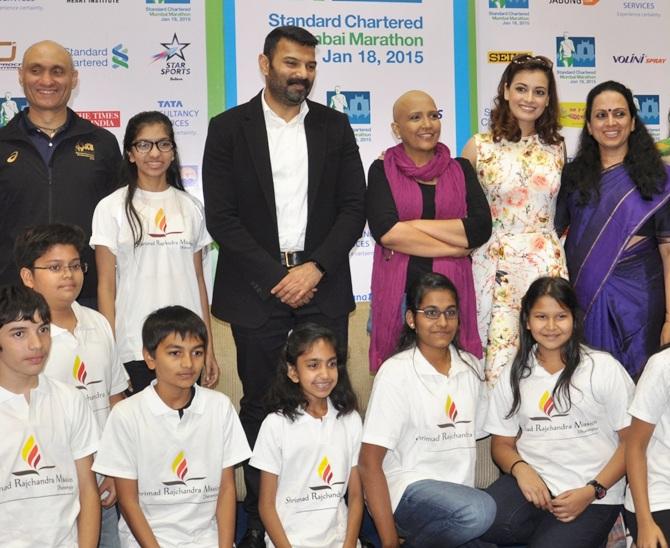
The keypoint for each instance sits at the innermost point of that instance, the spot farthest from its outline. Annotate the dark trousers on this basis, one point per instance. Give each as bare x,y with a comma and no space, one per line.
662,519
518,521
258,352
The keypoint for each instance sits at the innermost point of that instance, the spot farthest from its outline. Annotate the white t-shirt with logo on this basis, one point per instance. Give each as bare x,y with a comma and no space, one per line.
160,271
567,448
428,421
177,462
313,459
651,404
87,360
39,490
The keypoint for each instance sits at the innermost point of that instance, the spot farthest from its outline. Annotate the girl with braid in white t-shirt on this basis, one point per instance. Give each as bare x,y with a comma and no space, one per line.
149,238
648,456
307,448
558,416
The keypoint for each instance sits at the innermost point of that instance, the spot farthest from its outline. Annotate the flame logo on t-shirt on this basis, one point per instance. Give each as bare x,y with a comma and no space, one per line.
451,411
32,456
80,373
325,473
160,222
179,468
548,407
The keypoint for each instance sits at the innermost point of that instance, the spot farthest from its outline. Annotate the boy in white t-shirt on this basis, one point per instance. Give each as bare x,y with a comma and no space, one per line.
83,352
48,493
172,447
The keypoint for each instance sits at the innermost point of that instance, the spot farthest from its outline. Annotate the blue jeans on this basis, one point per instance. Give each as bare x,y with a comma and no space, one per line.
518,521
109,529
441,514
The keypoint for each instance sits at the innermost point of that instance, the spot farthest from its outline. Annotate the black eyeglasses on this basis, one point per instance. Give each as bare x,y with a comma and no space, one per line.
143,145
536,60
434,313
60,268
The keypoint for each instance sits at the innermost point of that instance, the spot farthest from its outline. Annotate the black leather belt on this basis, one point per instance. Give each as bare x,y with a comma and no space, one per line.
291,258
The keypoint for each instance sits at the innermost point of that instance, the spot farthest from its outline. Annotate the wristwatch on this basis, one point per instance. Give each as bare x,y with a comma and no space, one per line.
600,489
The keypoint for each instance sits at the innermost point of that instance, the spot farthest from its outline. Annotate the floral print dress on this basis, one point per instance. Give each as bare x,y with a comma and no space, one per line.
521,181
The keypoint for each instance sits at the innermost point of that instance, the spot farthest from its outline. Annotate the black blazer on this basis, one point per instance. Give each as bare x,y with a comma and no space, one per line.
241,215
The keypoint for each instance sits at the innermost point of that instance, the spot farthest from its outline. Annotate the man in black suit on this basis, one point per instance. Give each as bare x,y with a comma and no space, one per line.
284,198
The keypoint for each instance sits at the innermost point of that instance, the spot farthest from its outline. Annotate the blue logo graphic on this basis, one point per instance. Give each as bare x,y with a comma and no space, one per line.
508,4
355,104
384,1
575,51
648,108
10,107
167,1
119,56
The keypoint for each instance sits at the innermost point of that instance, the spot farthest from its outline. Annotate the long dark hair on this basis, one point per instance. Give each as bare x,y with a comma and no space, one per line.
562,292
128,172
286,397
503,123
643,162
432,281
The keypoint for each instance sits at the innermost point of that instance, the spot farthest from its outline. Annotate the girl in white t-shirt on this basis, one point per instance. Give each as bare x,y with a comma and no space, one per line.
307,448
648,456
425,412
148,238
558,418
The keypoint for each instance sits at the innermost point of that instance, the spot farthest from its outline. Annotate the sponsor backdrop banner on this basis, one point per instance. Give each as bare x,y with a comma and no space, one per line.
370,53
131,56
589,41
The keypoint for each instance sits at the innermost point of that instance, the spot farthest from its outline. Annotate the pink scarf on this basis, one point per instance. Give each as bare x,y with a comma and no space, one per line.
389,273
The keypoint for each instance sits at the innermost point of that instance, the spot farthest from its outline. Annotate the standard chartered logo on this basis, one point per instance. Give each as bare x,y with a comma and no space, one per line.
119,56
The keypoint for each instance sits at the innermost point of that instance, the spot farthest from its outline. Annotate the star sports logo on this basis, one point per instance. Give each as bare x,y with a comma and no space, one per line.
172,49
548,407
30,453
180,469
452,413
325,473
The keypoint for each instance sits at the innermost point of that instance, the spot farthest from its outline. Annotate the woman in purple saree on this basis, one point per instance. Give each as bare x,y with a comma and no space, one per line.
615,197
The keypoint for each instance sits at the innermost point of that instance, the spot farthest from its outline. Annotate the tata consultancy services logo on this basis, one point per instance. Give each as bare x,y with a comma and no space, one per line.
355,104
31,455
548,408
175,67
452,414
325,473
180,469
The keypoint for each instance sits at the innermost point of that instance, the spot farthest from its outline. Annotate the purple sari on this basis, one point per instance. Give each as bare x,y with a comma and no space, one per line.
621,290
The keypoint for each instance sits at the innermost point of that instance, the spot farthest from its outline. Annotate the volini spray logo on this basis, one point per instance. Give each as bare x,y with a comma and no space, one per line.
180,469
325,473
31,455
548,407
80,374
452,413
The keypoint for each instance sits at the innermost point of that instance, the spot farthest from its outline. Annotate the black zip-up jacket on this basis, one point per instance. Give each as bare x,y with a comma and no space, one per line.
83,169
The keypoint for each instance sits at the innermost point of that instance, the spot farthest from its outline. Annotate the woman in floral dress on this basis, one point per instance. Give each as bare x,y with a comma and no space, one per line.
519,166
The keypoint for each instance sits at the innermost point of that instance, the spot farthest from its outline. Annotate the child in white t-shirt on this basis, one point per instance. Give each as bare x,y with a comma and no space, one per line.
648,456
149,238
425,412
172,447
307,448
83,352
558,417
48,494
